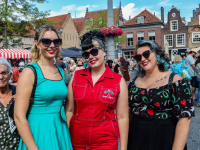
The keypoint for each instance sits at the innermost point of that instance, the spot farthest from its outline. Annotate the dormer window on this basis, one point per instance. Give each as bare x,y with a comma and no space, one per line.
140,19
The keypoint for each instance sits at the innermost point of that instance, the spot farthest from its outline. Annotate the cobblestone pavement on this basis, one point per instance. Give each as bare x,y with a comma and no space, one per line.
193,141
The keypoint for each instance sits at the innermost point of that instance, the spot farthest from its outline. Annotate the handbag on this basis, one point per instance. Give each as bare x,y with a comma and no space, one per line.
185,74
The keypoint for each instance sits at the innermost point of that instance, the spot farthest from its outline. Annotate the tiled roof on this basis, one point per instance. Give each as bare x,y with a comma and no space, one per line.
149,18
79,23
93,14
60,19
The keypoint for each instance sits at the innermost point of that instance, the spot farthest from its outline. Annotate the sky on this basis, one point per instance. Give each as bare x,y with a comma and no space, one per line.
77,8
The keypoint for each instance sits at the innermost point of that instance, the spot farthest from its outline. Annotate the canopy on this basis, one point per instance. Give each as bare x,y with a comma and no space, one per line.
15,53
70,53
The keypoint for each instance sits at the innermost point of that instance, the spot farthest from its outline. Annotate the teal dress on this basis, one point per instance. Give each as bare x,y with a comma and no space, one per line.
46,115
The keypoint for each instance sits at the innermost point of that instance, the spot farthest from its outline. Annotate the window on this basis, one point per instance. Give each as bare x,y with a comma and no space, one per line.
15,43
140,19
152,35
169,39
196,37
140,36
180,39
129,39
128,54
174,25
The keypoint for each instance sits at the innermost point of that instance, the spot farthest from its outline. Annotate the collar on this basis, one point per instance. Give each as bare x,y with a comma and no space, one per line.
108,72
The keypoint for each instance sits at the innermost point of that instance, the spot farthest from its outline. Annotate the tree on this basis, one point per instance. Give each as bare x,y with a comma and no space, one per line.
19,17
99,21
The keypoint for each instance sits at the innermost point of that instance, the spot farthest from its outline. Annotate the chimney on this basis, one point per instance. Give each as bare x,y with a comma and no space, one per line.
86,12
162,14
154,14
184,18
129,17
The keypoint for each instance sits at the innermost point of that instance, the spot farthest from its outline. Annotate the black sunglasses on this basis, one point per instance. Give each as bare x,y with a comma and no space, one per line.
93,52
47,42
146,55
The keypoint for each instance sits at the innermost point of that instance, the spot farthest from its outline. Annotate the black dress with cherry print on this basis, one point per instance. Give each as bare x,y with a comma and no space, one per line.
155,112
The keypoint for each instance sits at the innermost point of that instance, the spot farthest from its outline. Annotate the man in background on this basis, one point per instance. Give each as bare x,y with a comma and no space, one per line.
109,63
190,62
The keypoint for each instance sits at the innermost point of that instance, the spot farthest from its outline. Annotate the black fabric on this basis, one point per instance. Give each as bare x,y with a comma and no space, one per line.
151,134
116,68
35,82
11,109
109,62
194,82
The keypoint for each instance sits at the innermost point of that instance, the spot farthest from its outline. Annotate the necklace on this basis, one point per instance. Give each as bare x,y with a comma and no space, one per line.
50,71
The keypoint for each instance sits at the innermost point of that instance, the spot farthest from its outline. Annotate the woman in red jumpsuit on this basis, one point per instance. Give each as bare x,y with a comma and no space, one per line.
95,93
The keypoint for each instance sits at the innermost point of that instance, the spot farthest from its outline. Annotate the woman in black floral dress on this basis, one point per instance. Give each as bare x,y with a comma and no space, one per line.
160,103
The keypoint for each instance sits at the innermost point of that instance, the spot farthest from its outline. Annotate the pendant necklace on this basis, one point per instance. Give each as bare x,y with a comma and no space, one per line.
50,71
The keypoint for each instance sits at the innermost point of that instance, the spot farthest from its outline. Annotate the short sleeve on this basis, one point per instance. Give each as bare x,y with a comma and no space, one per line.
182,100
192,61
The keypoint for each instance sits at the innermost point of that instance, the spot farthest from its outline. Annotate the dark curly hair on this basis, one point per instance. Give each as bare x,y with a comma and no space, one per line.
163,65
87,39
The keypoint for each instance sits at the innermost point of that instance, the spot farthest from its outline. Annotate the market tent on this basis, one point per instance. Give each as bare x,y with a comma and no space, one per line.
70,53
15,53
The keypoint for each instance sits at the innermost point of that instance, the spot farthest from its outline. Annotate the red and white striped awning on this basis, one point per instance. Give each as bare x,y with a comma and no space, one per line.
15,53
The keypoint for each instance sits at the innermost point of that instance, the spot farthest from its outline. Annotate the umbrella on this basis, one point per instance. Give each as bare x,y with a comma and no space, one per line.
70,53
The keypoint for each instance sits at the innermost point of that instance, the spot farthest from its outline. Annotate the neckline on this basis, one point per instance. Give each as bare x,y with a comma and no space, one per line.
158,86
50,79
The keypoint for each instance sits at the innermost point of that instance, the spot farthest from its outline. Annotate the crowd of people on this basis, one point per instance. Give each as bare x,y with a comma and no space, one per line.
60,105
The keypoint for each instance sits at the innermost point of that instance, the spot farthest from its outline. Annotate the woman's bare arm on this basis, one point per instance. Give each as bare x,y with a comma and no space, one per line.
23,93
123,114
69,105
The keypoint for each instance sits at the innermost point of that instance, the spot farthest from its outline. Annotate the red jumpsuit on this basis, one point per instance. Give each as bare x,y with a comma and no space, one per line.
94,125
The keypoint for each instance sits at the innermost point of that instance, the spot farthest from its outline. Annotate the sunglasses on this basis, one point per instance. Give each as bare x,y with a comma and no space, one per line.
47,42
93,52
146,55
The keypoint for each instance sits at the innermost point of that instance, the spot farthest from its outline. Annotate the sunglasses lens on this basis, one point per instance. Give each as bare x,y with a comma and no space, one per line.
46,42
138,58
146,54
57,42
86,55
94,52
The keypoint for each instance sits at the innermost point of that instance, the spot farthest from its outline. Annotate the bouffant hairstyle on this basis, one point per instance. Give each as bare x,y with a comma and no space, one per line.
92,39
161,56
36,51
177,59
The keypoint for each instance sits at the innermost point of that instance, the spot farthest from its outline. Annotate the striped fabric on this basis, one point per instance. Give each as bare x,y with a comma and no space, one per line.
15,53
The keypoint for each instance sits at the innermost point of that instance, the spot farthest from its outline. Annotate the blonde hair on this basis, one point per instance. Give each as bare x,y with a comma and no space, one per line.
95,43
177,59
36,51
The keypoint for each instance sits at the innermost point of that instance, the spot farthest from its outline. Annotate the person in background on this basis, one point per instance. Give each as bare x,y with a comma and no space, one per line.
116,68
119,61
96,93
72,66
178,66
197,67
109,63
21,65
127,62
15,72
160,102
40,118
124,69
79,66
62,64
190,62
9,137
183,60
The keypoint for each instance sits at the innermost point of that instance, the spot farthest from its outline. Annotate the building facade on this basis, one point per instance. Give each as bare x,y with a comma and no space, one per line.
175,33
194,29
144,26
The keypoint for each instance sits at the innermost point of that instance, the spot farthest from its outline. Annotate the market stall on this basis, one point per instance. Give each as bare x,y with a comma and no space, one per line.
15,53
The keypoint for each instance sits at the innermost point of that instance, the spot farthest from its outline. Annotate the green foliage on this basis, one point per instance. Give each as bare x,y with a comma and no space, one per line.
18,17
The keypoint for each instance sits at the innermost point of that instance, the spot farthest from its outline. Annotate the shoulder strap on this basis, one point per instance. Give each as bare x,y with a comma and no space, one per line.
35,81
171,77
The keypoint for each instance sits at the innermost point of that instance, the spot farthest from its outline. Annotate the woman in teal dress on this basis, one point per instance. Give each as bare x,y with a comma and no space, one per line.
41,121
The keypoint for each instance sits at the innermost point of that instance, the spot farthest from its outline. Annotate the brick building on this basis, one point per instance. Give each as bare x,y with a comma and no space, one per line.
175,32
144,26
194,29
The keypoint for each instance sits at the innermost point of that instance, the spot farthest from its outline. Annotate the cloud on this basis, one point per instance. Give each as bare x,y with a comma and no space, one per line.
167,3
131,10
76,11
